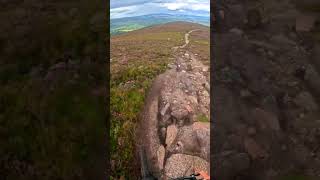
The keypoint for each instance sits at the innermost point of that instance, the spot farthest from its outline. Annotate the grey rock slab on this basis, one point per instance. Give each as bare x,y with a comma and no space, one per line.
282,40
266,120
305,23
179,164
236,31
161,155
254,149
179,113
202,130
172,132
306,100
185,142
193,140
265,45
164,110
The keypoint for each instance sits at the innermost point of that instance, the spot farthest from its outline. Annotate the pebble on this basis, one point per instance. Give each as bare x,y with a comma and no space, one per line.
305,23
271,173
301,116
245,93
205,69
206,94
236,31
282,40
172,66
161,154
252,131
207,86
293,35
180,123
284,148
260,50
266,120
306,100
189,108
163,132
254,149
293,84
271,54
164,110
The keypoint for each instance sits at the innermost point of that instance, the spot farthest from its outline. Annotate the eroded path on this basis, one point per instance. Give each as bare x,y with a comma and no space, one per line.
175,122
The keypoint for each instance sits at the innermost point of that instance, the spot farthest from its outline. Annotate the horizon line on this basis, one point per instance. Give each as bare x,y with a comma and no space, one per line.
162,14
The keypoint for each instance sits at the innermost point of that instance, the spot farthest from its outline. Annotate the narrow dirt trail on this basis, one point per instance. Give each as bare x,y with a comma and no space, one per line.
186,40
175,122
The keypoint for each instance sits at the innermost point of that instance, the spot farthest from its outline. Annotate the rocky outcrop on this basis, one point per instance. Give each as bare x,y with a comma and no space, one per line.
177,144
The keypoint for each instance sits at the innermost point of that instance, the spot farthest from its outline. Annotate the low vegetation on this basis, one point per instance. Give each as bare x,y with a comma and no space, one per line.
199,42
202,118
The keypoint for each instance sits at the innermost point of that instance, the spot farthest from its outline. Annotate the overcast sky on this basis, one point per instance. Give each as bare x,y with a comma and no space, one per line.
128,8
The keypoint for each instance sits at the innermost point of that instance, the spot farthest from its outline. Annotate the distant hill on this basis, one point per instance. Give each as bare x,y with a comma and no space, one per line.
122,25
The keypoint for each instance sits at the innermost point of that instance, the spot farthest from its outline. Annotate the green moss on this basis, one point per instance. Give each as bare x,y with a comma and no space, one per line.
202,118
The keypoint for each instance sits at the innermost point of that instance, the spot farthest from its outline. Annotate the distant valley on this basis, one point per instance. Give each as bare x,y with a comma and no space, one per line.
123,25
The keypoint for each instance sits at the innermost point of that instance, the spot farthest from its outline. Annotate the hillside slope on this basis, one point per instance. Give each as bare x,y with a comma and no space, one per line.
137,58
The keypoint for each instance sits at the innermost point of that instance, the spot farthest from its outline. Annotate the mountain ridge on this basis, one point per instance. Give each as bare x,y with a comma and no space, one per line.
122,25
